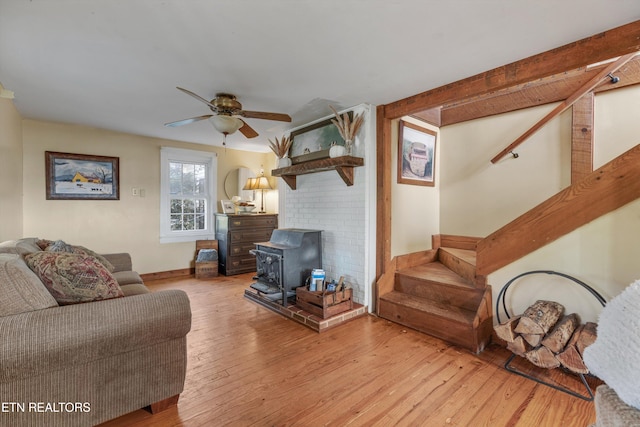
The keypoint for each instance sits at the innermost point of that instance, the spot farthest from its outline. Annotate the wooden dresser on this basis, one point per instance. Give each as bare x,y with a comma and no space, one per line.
237,235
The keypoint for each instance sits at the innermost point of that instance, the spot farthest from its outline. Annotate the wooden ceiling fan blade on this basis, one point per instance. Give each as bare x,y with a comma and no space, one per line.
247,130
187,121
267,116
198,97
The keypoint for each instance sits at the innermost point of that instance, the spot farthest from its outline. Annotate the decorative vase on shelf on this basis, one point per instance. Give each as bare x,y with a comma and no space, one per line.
284,162
348,146
337,151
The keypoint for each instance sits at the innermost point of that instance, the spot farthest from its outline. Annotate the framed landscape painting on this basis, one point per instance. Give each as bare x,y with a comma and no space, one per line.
314,141
416,155
81,177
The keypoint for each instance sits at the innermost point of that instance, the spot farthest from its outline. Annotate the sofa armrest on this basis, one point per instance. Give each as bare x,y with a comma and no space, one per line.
120,261
56,338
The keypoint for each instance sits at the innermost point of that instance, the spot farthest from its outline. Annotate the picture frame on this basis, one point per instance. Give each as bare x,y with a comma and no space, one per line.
81,177
416,155
227,206
314,141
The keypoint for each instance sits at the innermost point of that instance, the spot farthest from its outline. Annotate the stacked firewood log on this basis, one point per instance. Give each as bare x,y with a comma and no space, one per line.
547,338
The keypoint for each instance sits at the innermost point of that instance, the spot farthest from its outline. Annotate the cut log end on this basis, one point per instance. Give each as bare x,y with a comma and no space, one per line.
542,357
540,317
505,331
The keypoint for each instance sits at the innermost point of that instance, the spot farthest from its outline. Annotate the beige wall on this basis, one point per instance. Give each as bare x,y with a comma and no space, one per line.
415,211
10,171
130,224
478,197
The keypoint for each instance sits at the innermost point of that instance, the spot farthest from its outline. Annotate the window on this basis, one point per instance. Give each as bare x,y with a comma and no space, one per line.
187,200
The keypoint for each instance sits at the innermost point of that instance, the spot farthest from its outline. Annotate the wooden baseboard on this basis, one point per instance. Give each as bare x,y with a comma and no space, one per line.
164,404
168,274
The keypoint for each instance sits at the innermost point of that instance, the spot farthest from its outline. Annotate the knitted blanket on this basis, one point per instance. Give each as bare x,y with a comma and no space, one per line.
615,355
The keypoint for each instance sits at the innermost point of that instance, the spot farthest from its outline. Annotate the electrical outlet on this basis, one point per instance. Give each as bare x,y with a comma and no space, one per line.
134,191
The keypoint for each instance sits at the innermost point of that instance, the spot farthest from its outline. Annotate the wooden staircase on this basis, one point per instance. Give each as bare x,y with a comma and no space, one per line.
438,292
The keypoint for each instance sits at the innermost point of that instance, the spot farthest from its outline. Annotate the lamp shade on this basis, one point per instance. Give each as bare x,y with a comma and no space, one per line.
262,183
226,124
251,184
259,183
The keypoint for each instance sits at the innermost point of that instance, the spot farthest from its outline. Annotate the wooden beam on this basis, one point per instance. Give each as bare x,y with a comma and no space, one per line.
431,116
383,192
587,87
543,91
602,191
609,44
582,138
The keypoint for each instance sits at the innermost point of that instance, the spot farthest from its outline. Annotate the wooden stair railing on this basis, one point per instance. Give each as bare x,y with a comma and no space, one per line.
610,187
564,105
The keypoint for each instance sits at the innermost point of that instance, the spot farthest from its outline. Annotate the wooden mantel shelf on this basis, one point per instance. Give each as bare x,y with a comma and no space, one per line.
343,165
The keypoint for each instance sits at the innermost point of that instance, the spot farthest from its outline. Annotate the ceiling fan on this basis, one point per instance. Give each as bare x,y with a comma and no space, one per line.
226,115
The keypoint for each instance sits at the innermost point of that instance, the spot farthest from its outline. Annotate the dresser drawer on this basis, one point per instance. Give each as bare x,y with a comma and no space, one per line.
240,222
250,236
240,264
241,248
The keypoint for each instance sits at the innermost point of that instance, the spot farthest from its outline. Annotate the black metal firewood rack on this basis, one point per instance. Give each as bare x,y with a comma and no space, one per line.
501,300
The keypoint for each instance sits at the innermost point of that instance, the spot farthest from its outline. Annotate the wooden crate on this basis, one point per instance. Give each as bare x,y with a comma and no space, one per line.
325,304
206,269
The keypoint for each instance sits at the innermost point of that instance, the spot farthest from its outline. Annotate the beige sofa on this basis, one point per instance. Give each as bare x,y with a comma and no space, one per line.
83,364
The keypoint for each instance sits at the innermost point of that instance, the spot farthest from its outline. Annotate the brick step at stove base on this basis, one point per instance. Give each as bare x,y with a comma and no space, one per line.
299,315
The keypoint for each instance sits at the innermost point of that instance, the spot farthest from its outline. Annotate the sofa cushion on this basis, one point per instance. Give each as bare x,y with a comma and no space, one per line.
127,277
73,278
61,246
21,246
615,355
20,288
134,289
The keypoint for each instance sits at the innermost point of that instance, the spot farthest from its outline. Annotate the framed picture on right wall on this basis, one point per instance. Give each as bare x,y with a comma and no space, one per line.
416,155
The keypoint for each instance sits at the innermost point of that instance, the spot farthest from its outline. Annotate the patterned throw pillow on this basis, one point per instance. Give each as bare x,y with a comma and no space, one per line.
73,278
61,246
44,243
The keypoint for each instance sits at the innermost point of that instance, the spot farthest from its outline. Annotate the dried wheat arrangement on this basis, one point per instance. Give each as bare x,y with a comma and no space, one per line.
347,128
280,148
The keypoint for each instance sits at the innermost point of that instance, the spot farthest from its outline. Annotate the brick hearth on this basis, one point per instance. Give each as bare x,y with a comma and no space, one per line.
297,314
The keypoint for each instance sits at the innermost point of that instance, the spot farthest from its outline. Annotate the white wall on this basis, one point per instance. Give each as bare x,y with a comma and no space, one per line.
345,214
130,224
10,171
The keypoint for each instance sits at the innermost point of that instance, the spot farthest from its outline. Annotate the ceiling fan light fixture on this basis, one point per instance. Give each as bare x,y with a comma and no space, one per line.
226,124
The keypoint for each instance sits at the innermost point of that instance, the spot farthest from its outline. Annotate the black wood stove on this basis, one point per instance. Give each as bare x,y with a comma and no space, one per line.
285,262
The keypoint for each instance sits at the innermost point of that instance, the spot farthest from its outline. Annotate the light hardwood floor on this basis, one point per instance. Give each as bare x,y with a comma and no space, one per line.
248,366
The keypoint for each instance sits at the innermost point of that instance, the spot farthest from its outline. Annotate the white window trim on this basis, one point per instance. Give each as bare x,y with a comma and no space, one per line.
168,154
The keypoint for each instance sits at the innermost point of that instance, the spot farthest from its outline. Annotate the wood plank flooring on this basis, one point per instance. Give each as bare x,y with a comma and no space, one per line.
249,366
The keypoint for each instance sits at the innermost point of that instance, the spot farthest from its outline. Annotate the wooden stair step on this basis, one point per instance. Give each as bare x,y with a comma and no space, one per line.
437,283
455,314
468,256
452,324
436,272
463,262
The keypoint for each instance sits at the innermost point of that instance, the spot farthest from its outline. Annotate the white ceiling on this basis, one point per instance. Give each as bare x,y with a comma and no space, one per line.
115,64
